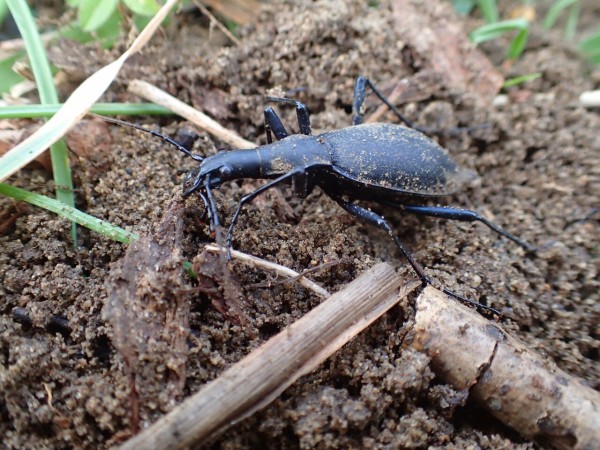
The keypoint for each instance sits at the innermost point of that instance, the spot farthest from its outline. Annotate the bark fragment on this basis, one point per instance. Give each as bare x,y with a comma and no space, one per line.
149,315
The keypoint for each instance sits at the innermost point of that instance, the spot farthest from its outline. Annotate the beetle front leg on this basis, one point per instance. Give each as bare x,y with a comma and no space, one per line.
248,198
378,221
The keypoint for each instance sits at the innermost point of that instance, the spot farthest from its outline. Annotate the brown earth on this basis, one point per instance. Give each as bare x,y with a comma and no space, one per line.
64,384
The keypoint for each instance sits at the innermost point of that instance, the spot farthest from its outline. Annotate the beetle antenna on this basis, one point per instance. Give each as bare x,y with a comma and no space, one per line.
154,133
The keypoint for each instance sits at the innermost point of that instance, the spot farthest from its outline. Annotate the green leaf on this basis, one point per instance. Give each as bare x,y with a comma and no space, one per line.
463,7
3,11
188,267
140,22
591,45
594,59
92,14
109,32
143,7
590,48
75,33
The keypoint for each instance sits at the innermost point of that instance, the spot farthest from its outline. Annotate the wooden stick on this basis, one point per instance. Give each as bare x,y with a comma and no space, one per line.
272,267
260,377
160,97
519,387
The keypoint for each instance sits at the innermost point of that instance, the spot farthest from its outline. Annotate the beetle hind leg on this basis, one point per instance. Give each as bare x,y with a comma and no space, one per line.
465,215
378,221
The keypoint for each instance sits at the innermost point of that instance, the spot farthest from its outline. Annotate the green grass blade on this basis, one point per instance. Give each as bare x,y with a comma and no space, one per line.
45,84
74,215
78,103
572,21
489,10
521,79
517,45
493,30
555,11
104,109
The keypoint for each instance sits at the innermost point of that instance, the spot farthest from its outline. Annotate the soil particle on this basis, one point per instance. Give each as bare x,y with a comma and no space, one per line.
538,162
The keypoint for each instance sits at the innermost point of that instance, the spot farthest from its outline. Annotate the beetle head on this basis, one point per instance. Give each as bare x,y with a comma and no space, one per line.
210,174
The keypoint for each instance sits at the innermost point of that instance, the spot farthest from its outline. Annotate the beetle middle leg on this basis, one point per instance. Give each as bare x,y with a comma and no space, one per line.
301,113
378,221
273,124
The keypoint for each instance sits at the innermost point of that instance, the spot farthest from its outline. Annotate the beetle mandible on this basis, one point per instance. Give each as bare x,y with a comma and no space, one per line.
383,163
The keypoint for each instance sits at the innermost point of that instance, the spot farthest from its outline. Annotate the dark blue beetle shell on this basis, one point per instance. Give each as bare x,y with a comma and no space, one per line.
393,158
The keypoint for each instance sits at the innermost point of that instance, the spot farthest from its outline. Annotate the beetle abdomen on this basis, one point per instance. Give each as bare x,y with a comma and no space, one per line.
393,157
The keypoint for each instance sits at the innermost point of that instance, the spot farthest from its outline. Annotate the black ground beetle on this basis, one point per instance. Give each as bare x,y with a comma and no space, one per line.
382,163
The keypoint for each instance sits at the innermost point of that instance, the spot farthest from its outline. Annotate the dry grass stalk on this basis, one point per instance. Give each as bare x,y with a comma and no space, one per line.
272,267
160,97
239,11
215,21
260,377
519,387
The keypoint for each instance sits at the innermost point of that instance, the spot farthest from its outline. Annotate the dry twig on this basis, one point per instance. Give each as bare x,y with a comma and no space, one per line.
260,377
272,267
160,97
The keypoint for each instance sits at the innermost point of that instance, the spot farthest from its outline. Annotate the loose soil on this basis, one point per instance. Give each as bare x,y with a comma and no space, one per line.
67,366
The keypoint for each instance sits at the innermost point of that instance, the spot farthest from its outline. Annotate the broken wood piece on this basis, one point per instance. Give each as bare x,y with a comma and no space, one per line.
264,374
517,386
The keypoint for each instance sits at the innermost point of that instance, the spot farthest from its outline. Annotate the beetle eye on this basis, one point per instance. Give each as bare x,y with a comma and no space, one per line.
224,172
